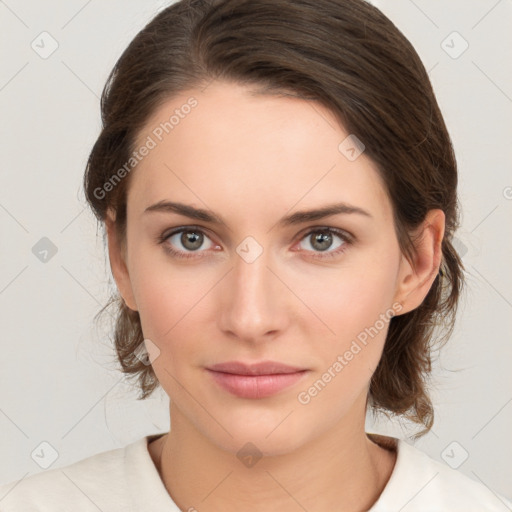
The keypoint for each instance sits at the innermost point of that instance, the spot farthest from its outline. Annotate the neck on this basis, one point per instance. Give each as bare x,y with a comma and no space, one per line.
342,469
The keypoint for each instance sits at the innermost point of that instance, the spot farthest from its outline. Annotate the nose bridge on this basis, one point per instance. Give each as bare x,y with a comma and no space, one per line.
250,305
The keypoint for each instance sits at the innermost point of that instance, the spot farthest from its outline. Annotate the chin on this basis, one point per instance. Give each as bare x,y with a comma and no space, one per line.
270,436
259,445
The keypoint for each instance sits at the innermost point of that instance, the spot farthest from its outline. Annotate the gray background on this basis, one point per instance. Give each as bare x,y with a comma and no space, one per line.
58,382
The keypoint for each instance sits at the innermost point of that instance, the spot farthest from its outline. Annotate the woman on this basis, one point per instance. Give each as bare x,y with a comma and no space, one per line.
278,190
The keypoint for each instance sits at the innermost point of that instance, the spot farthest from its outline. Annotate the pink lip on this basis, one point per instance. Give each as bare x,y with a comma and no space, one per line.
257,380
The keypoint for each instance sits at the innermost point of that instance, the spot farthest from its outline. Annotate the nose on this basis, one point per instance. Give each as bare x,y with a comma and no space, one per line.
253,300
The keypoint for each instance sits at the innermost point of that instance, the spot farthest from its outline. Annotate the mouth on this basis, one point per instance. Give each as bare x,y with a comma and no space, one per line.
259,368
257,380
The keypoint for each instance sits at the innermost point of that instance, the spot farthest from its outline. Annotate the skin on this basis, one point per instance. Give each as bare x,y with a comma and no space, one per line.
253,159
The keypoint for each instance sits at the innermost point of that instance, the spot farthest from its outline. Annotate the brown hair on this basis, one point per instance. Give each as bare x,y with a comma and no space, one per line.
352,59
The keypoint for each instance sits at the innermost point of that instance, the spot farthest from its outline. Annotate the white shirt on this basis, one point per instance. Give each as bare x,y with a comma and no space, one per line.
126,480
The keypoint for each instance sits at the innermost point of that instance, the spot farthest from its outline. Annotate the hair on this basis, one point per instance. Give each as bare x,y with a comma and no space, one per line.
346,55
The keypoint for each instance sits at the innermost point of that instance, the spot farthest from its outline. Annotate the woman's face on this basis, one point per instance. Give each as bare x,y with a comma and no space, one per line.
256,287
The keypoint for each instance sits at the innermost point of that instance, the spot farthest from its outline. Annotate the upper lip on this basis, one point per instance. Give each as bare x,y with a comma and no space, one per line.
260,368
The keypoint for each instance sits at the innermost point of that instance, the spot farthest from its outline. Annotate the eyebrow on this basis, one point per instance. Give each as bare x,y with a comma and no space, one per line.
290,220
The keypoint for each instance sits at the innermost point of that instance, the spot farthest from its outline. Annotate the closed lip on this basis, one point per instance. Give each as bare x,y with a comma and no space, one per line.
259,368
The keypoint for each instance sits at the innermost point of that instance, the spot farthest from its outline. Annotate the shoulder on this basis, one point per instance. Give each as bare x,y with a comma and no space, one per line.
97,482
419,483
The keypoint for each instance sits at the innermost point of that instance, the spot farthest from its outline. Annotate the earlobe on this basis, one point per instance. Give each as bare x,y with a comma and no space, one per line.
118,263
415,278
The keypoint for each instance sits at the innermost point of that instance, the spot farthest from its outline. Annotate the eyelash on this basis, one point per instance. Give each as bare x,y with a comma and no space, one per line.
347,239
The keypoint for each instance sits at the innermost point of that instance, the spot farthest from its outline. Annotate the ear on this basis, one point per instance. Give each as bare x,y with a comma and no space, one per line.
117,257
415,278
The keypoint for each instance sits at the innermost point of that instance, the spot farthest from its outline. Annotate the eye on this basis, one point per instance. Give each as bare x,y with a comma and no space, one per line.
320,241
191,239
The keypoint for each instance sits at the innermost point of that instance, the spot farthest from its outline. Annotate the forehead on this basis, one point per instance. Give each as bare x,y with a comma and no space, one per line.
229,148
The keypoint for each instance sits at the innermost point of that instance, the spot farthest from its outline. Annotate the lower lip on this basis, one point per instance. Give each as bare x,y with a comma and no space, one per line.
256,386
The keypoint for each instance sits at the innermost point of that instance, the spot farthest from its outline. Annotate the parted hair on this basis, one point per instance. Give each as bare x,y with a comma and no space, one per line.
348,56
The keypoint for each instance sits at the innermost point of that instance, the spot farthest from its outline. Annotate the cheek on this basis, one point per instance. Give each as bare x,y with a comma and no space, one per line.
353,299
174,305
356,307
167,305
347,360
165,292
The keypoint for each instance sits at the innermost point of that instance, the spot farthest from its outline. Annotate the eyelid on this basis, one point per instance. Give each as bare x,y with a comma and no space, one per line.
310,229
343,233
189,227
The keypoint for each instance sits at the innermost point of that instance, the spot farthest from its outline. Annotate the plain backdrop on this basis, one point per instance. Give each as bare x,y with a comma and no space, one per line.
58,378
